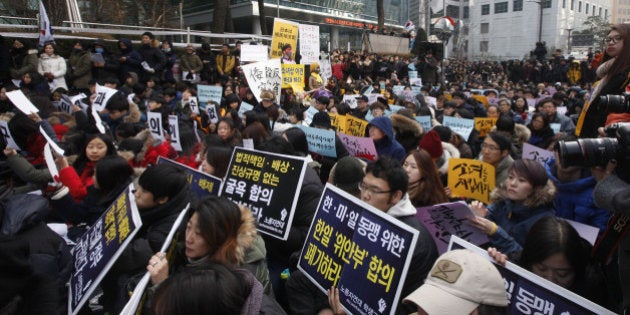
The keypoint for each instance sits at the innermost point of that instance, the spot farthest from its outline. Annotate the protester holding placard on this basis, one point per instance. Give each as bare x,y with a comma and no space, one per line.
522,199
190,65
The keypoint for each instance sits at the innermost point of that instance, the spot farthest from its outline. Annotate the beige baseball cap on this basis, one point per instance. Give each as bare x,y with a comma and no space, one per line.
459,281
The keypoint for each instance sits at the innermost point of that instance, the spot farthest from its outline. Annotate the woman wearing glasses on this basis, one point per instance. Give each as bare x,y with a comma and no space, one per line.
613,76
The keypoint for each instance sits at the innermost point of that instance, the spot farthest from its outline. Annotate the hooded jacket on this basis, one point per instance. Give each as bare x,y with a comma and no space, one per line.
132,61
514,219
23,64
56,65
408,131
574,200
388,146
80,72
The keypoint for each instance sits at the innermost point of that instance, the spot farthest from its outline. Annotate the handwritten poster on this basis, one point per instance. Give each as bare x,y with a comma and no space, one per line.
320,141
284,32
461,126
254,53
484,125
356,126
471,178
309,43
532,152
264,75
360,147
206,93
292,75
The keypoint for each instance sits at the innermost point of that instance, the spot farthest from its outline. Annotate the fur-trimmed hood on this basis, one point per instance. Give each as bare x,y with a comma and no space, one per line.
521,133
246,234
541,196
450,151
406,125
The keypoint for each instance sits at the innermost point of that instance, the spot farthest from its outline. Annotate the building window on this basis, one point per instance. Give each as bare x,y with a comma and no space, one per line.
452,11
485,9
579,6
483,46
500,7
606,14
466,12
586,8
485,28
572,5
546,4
564,4
517,5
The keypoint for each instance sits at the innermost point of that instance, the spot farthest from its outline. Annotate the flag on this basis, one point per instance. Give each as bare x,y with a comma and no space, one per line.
45,29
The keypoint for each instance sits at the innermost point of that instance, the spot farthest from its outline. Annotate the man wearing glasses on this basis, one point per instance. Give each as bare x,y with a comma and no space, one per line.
385,188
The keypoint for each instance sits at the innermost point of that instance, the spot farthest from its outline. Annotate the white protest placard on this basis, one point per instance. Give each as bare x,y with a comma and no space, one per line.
193,104
555,127
369,90
309,43
431,101
461,126
50,163
213,116
245,107
6,133
413,74
50,141
309,114
103,94
264,75
78,101
254,53
173,124
587,232
190,77
97,120
535,153
21,102
155,125
206,93
65,104
325,70
562,110
351,100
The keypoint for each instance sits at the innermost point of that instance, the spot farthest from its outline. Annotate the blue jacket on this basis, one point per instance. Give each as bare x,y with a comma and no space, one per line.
574,200
515,219
387,146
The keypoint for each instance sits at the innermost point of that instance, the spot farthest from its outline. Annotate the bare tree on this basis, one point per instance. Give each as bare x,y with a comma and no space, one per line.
261,15
380,13
219,18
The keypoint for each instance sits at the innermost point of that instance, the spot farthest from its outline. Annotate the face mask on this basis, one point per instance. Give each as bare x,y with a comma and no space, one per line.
166,50
99,50
77,50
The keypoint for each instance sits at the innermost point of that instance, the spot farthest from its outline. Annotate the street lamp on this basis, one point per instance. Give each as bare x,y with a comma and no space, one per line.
540,20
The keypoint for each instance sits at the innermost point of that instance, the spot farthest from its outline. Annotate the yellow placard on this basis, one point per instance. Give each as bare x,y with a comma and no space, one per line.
484,125
471,178
339,122
355,126
481,98
284,32
292,75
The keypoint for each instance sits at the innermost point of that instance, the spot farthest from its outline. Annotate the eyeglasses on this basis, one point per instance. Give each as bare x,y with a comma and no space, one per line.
371,190
613,39
489,147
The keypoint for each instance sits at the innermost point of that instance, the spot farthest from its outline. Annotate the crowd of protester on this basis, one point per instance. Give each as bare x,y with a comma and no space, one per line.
221,264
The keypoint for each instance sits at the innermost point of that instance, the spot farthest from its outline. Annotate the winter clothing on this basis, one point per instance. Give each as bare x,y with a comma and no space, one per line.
80,72
57,66
22,64
408,131
190,62
388,146
515,219
132,60
155,59
225,64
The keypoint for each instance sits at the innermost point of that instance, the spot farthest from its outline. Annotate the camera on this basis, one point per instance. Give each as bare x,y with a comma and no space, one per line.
599,151
615,103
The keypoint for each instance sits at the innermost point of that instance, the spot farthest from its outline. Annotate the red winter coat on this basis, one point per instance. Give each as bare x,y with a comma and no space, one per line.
77,184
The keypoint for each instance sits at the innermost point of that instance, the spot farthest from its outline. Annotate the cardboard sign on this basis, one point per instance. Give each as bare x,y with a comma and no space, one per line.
173,131
338,122
461,126
284,33
253,53
532,152
96,251
201,183
360,147
356,126
471,178
267,183
361,250
309,43
207,93
292,74
484,125
103,94
530,294
446,219
264,75
155,125
320,141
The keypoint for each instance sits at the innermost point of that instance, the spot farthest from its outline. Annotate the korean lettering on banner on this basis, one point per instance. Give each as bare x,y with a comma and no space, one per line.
254,53
78,101
532,152
471,178
359,249
155,125
201,183
64,104
309,43
97,249
413,74
325,69
309,114
484,125
267,183
6,133
284,32
193,103
212,112
103,94
264,75
528,293
320,141
351,100
425,122
207,93
173,131
292,74
338,121
356,126
360,147
461,126
446,219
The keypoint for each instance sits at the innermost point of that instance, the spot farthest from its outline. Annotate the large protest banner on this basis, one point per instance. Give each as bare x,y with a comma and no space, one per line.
461,126
254,53
360,250
360,147
292,75
356,126
484,125
309,43
284,33
201,183
532,152
530,294
138,297
264,76
446,219
98,248
207,93
471,178
267,183
320,141
338,121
